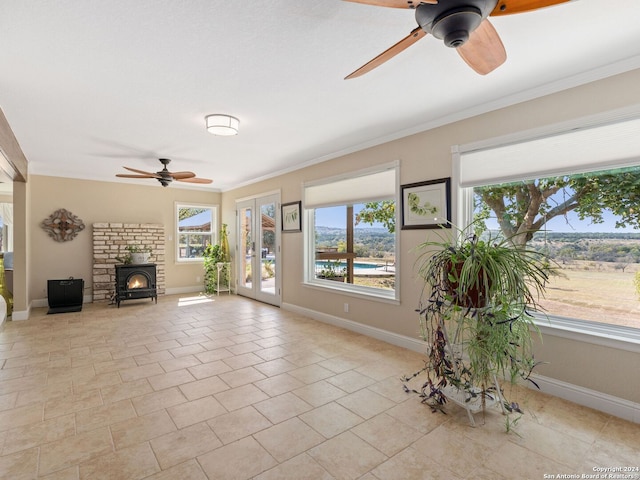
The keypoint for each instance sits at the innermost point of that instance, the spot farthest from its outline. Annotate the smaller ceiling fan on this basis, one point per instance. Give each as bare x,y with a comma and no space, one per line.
164,176
460,24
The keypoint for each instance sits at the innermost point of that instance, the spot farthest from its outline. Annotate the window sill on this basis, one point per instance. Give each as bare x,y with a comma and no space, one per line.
354,291
613,336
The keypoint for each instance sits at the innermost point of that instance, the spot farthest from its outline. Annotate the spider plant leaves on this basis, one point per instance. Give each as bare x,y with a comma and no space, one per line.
482,291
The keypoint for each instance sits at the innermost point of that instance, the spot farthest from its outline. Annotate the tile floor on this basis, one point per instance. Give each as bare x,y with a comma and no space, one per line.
227,388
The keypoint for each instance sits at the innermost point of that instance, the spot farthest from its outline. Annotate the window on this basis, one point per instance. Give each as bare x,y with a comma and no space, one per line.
589,229
576,197
196,228
350,233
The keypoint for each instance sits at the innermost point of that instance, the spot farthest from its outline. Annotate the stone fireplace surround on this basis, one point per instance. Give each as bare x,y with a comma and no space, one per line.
110,241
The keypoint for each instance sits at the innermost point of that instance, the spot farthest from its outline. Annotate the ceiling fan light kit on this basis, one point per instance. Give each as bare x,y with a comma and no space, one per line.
460,24
222,124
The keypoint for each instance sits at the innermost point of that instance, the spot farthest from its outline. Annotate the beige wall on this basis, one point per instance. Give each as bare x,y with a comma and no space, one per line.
597,367
427,156
97,202
423,156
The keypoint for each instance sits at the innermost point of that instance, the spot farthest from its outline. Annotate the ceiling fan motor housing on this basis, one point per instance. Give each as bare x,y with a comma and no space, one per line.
453,20
164,173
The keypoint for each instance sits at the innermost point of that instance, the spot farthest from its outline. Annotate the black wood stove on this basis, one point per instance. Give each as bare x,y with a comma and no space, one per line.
135,281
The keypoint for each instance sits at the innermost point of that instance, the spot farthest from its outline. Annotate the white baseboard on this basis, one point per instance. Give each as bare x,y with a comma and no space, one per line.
44,302
17,315
41,303
180,290
603,402
393,338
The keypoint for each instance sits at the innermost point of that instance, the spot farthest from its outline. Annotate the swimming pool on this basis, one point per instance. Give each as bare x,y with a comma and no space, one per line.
360,265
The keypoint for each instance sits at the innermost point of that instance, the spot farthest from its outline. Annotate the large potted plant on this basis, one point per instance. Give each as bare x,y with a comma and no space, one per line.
475,315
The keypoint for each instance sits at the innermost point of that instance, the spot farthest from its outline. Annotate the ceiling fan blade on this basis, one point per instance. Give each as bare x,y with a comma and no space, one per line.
165,176
195,180
509,7
182,175
415,35
393,3
484,51
126,175
142,172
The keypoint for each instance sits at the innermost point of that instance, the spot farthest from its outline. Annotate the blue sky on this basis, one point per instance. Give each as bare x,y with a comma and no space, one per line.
573,224
334,217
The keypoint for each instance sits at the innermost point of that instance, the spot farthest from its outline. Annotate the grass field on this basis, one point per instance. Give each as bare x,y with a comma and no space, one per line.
584,290
596,293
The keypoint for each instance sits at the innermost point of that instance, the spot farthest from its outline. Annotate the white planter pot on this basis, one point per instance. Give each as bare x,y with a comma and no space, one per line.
141,257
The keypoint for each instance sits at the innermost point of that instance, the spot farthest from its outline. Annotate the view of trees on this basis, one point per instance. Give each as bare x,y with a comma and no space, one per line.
368,242
620,248
383,212
189,212
523,208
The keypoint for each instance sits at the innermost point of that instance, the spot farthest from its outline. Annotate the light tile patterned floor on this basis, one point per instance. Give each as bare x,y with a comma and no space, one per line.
227,388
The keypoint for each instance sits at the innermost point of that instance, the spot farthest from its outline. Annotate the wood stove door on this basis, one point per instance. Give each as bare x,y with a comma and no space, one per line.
258,255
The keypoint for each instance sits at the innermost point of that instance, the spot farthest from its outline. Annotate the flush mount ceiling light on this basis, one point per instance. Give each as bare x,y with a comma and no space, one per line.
221,124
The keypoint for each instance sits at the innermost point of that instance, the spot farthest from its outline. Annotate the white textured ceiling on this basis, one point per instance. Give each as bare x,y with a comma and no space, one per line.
91,85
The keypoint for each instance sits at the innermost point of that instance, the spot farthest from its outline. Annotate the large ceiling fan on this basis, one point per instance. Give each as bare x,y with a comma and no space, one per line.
164,176
460,24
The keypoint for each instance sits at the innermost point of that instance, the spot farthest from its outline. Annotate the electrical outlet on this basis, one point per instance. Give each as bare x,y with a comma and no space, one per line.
346,308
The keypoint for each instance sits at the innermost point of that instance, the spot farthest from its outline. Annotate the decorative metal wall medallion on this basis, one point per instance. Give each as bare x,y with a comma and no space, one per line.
62,225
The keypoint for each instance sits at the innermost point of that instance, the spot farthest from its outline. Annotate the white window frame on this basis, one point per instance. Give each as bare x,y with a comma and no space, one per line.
214,229
392,296
615,336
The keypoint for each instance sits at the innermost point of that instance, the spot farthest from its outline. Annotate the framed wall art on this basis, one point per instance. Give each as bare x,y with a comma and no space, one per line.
291,216
426,204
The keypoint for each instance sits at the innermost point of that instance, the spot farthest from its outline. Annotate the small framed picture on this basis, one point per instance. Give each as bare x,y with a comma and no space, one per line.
291,216
426,204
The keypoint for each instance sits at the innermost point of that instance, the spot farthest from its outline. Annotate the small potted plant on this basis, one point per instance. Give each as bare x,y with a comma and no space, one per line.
475,314
138,253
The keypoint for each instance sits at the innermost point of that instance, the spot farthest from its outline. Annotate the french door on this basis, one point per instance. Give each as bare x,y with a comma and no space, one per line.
258,248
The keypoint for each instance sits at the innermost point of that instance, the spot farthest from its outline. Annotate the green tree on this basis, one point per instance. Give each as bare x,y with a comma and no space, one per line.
523,208
383,212
269,239
189,212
